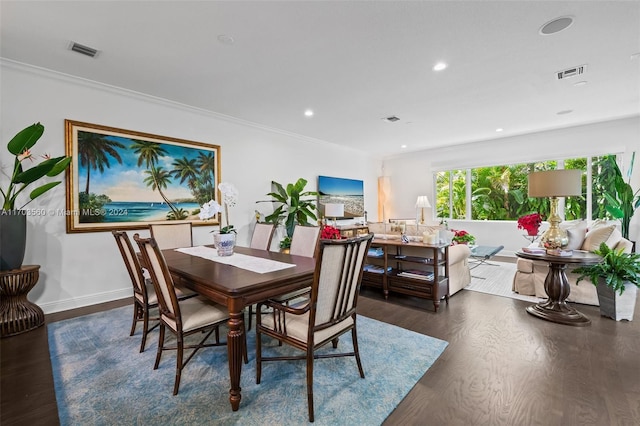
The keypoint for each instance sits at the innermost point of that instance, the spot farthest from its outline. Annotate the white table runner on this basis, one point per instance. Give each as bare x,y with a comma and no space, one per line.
243,261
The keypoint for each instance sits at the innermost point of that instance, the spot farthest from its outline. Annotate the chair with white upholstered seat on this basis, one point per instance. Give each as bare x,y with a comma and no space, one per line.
330,312
144,295
172,235
262,235
183,318
304,242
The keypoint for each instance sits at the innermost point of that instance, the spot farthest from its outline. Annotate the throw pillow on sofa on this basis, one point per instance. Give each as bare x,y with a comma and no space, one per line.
576,231
597,236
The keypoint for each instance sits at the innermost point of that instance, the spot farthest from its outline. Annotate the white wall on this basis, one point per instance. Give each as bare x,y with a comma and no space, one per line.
411,174
84,269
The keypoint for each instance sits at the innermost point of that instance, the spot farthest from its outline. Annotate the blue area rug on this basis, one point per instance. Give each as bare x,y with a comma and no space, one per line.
102,379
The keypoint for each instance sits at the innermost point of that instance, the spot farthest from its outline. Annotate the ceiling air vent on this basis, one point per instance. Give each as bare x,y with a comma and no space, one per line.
85,50
571,72
391,119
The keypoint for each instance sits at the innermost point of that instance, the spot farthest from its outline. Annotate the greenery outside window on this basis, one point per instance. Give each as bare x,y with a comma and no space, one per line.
501,192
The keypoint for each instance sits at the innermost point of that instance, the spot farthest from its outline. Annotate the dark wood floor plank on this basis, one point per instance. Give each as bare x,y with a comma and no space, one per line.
502,366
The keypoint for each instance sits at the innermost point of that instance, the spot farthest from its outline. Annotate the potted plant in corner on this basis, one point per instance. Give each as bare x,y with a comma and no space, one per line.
13,222
617,279
294,207
623,202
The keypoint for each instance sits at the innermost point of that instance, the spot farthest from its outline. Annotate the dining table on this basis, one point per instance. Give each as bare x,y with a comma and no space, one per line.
236,288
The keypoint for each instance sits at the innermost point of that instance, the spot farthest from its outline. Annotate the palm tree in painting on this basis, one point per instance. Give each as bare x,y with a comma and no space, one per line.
186,170
207,177
158,178
94,151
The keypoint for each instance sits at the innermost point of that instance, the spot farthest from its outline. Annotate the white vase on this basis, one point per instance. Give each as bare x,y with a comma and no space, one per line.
224,243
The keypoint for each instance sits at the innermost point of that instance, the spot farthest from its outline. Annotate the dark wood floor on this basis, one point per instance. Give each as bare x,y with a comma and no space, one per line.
502,366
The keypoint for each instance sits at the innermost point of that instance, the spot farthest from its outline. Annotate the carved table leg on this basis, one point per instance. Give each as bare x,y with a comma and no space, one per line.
555,308
235,345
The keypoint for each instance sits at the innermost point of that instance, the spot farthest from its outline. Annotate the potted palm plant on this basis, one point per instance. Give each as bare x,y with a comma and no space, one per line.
617,278
293,207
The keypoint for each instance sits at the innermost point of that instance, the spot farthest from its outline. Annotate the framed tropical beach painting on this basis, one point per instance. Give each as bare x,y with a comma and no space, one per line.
121,179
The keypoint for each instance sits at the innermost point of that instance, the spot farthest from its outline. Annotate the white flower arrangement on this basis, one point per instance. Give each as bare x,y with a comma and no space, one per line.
208,210
212,208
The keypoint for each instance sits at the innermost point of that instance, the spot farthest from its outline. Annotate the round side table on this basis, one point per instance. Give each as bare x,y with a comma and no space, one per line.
557,287
17,314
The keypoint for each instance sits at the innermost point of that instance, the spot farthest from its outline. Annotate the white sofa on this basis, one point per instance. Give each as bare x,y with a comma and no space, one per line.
530,275
459,272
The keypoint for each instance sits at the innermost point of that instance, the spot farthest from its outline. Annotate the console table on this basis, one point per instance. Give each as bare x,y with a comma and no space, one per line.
557,287
414,268
17,314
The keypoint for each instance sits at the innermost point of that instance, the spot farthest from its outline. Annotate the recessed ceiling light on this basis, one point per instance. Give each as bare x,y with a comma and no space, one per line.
439,66
564,111
403,146
499,129
226,39
308,113
556,25
635,56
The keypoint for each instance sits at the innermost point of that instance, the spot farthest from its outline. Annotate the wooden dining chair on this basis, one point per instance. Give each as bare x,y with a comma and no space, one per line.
304,242
330,312
262,236
182,317
144,295
172,235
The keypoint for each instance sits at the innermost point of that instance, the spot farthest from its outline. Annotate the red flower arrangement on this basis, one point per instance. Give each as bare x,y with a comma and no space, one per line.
330,233
530,223
463,237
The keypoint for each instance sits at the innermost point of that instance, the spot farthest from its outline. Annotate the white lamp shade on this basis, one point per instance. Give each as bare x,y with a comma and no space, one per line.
333,210
555,183
423,202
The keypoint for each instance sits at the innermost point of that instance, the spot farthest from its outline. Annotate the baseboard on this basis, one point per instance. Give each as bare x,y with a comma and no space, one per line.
80,302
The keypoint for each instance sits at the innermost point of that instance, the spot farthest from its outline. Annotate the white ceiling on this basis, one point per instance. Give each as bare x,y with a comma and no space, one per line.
352,62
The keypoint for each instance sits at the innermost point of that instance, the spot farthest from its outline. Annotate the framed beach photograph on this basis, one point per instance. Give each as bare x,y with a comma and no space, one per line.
340,191
122,179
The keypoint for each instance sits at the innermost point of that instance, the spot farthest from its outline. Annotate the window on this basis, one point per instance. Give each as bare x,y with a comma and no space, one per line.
501,192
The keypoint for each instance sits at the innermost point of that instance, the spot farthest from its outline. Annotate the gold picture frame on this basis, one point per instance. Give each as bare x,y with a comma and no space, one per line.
123,179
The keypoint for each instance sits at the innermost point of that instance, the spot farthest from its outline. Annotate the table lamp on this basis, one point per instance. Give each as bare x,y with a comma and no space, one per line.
334,210
554,184
422,203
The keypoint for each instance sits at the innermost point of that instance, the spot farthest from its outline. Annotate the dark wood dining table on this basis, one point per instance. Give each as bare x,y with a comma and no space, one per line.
236,289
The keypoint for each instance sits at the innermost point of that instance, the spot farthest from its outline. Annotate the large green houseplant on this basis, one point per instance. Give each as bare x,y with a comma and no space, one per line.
13,224
617,275
294,206
623,202
20,146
